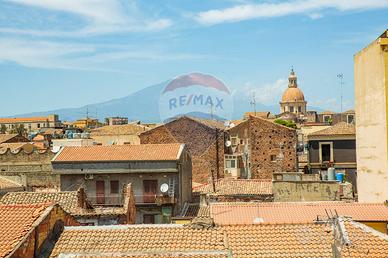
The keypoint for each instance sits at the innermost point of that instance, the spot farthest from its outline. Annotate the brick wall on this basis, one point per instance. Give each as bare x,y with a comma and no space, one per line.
35,167
200,141
42,239
265,139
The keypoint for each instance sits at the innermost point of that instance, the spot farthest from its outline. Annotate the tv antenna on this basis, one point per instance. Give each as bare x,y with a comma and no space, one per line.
341,82
253,102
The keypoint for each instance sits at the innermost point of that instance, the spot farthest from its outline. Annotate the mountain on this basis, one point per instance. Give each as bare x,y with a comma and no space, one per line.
143,105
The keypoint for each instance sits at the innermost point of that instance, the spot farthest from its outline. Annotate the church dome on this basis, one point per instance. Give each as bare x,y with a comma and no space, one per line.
293,93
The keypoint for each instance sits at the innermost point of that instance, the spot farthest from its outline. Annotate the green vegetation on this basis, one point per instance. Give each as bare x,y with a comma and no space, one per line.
287,123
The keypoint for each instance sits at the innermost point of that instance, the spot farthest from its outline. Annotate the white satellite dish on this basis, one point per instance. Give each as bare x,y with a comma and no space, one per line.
228,143
226,123
231,125
56,149
164,188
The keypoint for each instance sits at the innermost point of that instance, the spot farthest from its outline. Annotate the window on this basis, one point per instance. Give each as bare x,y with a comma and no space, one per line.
273,157
326,152
292,109
299,109
327,118
230,163
114,187
233,140
38,125
148,219
350,119
149,190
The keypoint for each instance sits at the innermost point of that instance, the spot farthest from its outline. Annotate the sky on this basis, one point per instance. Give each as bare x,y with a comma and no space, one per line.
69,53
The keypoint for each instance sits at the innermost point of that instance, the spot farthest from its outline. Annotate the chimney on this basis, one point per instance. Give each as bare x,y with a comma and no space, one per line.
81,197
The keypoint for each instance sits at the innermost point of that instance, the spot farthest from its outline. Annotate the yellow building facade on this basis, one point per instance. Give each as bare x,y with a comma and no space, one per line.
371,101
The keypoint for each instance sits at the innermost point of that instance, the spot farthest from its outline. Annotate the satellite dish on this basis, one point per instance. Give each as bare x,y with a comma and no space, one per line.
228,143
231,125
164,188
227,123
56,149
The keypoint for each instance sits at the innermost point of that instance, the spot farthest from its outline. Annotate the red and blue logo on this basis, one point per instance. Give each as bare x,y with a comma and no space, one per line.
197,95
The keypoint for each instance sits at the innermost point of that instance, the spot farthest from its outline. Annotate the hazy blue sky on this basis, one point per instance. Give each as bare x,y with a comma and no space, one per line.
67,53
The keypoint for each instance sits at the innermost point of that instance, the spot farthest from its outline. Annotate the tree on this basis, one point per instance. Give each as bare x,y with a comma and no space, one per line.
287,123
20,130
3,129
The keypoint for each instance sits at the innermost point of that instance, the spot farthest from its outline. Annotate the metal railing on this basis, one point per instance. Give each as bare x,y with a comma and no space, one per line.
106,200
154,199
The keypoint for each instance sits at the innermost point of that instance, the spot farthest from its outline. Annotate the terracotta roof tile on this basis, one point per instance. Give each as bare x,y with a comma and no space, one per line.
303,240
237,187
22,120
127,129
341,128
67,200
301,212
6,183
15,222
6,137
143,239
119,153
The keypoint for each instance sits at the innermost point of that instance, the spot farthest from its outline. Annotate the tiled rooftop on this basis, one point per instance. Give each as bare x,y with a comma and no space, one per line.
6,183
22,120
142,152
236,187
139,238
67,200
341,128
15,222
6,137
127,129
303,240
265,240
301,212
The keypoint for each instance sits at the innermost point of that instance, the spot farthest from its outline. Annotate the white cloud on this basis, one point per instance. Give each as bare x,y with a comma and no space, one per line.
268,93
51,55
267,10
100,16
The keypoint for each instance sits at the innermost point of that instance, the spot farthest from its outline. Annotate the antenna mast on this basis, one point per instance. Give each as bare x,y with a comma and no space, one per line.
341,82
253,102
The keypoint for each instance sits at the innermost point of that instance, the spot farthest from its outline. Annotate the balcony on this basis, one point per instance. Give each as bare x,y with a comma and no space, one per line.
159,200
106,200
144,199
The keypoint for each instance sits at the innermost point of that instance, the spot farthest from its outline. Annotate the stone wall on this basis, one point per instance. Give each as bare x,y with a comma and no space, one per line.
298,191
34,169
200,141
266,139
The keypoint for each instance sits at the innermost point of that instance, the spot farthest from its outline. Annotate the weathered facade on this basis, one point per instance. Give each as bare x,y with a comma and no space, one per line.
76,204
371,99
105,170
334,147
204,140
31,168
299,187
259,148
31,123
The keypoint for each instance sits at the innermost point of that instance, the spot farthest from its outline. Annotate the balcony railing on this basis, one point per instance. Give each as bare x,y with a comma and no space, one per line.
154,199
144,199
106,200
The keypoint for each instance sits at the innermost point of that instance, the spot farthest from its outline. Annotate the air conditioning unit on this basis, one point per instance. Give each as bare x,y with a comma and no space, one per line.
89,177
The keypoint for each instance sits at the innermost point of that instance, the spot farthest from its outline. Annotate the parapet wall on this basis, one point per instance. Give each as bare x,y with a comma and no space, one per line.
34,166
